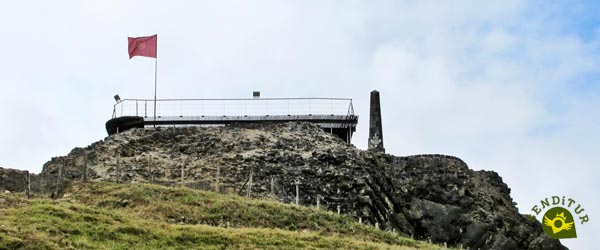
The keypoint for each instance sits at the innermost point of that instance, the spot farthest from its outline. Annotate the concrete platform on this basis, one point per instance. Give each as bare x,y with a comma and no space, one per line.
342,126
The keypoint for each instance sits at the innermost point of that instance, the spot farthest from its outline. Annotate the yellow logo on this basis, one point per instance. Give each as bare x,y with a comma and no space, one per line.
558,223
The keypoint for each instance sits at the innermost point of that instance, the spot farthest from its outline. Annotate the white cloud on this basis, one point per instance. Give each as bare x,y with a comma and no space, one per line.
505,85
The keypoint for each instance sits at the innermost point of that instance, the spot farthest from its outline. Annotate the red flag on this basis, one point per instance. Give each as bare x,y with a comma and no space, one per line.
142,46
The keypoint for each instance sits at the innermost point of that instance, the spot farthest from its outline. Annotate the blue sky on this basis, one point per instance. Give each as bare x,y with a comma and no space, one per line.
509,86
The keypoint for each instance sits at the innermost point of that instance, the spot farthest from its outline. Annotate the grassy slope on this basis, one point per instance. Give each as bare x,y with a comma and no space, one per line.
143,216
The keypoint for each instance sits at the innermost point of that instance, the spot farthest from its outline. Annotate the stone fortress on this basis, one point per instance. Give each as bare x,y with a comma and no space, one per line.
428,197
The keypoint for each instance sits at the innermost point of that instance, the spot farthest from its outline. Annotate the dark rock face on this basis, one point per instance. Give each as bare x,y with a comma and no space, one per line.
16,180
13,180
429,197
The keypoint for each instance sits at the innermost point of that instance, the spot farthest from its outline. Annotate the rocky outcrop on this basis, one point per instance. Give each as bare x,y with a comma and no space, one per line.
432,197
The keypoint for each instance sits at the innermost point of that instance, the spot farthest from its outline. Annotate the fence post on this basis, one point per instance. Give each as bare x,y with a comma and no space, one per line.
183,171
272,186
318,200
44,184
28,188
297,192
217,178
249,192
150,169
118,162
59,177
84,166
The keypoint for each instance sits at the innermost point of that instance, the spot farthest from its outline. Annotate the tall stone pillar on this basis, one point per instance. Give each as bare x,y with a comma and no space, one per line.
375,128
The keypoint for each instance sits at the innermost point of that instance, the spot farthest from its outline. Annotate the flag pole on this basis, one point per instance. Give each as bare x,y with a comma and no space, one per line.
155,69
155,74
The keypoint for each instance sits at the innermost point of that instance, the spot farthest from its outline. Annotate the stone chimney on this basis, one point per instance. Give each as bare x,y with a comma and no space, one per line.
375,128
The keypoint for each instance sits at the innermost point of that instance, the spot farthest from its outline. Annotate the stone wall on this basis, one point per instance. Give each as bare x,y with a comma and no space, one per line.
13,180
16,181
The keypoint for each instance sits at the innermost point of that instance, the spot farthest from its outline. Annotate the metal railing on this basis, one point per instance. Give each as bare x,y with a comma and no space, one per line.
233,107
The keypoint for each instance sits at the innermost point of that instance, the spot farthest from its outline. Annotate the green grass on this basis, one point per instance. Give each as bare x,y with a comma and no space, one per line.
143,216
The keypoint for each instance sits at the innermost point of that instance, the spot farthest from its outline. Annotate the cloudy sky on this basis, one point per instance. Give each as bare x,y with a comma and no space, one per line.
508,86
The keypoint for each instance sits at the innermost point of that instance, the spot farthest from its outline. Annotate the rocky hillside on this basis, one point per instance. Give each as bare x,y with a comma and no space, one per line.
428,197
